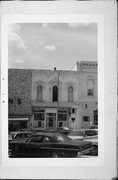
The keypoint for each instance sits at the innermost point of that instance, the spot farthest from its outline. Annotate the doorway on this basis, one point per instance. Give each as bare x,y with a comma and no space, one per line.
50,120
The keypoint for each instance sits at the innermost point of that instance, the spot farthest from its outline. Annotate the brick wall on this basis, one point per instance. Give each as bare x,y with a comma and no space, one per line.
19,91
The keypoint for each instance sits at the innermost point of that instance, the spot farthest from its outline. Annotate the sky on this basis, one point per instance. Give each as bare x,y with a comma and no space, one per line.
49,45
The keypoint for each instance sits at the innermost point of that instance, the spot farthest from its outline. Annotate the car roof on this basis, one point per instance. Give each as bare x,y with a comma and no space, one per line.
46,133
83,129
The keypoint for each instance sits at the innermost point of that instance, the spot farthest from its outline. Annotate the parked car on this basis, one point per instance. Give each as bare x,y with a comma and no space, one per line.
19,135
63,130
49,145
94,150
83,133
87,135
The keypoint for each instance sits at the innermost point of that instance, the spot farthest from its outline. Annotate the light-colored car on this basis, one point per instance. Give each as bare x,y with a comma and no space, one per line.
86,135
19,135
83,134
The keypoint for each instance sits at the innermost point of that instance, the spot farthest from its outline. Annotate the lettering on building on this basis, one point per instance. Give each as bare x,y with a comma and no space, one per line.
15,101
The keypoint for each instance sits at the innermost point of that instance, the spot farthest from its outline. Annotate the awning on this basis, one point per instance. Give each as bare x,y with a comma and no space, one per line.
18,119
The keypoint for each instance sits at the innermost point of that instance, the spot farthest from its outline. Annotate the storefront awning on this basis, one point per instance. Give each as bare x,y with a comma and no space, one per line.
18,119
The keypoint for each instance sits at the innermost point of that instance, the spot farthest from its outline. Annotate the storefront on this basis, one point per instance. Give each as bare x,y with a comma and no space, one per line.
45,118
19,123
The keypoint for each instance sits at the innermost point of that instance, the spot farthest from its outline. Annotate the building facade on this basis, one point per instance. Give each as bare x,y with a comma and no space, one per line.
61,98
88,93
19,98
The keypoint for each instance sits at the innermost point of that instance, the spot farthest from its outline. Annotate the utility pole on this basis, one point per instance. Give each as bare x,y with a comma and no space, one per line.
58,74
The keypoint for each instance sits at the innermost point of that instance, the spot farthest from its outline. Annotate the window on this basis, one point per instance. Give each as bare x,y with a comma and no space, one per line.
39,93
73,111
18,136
86,118
91,133
90,87
76,133
95,114
39,123
86,106
62,115
46,140
35,139
55,94
70,94
60,124
39,115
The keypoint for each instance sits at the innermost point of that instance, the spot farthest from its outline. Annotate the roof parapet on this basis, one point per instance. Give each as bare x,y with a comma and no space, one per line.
86,65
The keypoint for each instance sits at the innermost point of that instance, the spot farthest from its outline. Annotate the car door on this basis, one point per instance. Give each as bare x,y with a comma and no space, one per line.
47,146
32,147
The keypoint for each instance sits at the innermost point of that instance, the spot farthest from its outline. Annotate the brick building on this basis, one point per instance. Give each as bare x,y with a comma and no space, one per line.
19,97
55,98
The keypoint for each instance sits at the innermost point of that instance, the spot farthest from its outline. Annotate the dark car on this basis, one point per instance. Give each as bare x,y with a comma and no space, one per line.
49,145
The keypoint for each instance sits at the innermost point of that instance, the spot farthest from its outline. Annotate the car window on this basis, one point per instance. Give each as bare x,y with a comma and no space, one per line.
76,133
13,136
46,139
61,138
26,135
91,133
35,139
18,136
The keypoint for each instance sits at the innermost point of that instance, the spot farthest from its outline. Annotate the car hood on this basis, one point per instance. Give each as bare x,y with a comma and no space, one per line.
75,137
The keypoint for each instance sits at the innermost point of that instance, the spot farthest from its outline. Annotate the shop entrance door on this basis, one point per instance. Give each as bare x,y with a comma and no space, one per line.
50,120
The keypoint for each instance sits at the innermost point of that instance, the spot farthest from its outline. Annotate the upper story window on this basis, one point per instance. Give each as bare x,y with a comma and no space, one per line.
55,94
90,87
39,93
70,93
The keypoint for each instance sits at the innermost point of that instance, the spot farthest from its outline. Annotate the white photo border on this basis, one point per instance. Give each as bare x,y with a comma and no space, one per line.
99,20
70,168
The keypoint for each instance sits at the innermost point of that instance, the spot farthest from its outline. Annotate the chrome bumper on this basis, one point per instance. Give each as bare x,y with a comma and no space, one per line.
84,152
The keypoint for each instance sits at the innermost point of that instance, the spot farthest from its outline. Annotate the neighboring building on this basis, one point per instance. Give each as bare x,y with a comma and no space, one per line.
60,97
19,98
88,92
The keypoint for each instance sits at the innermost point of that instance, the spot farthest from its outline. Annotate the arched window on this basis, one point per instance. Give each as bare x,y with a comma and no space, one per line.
39,93
90,87
70,93
55,94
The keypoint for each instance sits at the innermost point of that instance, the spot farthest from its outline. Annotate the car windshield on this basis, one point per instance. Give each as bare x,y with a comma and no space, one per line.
34,139
91,133
62,138
76,133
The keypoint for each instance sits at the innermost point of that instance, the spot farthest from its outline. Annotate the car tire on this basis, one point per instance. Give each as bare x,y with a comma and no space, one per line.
56,154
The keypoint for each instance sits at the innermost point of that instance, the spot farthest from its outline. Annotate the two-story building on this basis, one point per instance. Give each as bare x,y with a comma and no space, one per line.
57,97
88,93
54,98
